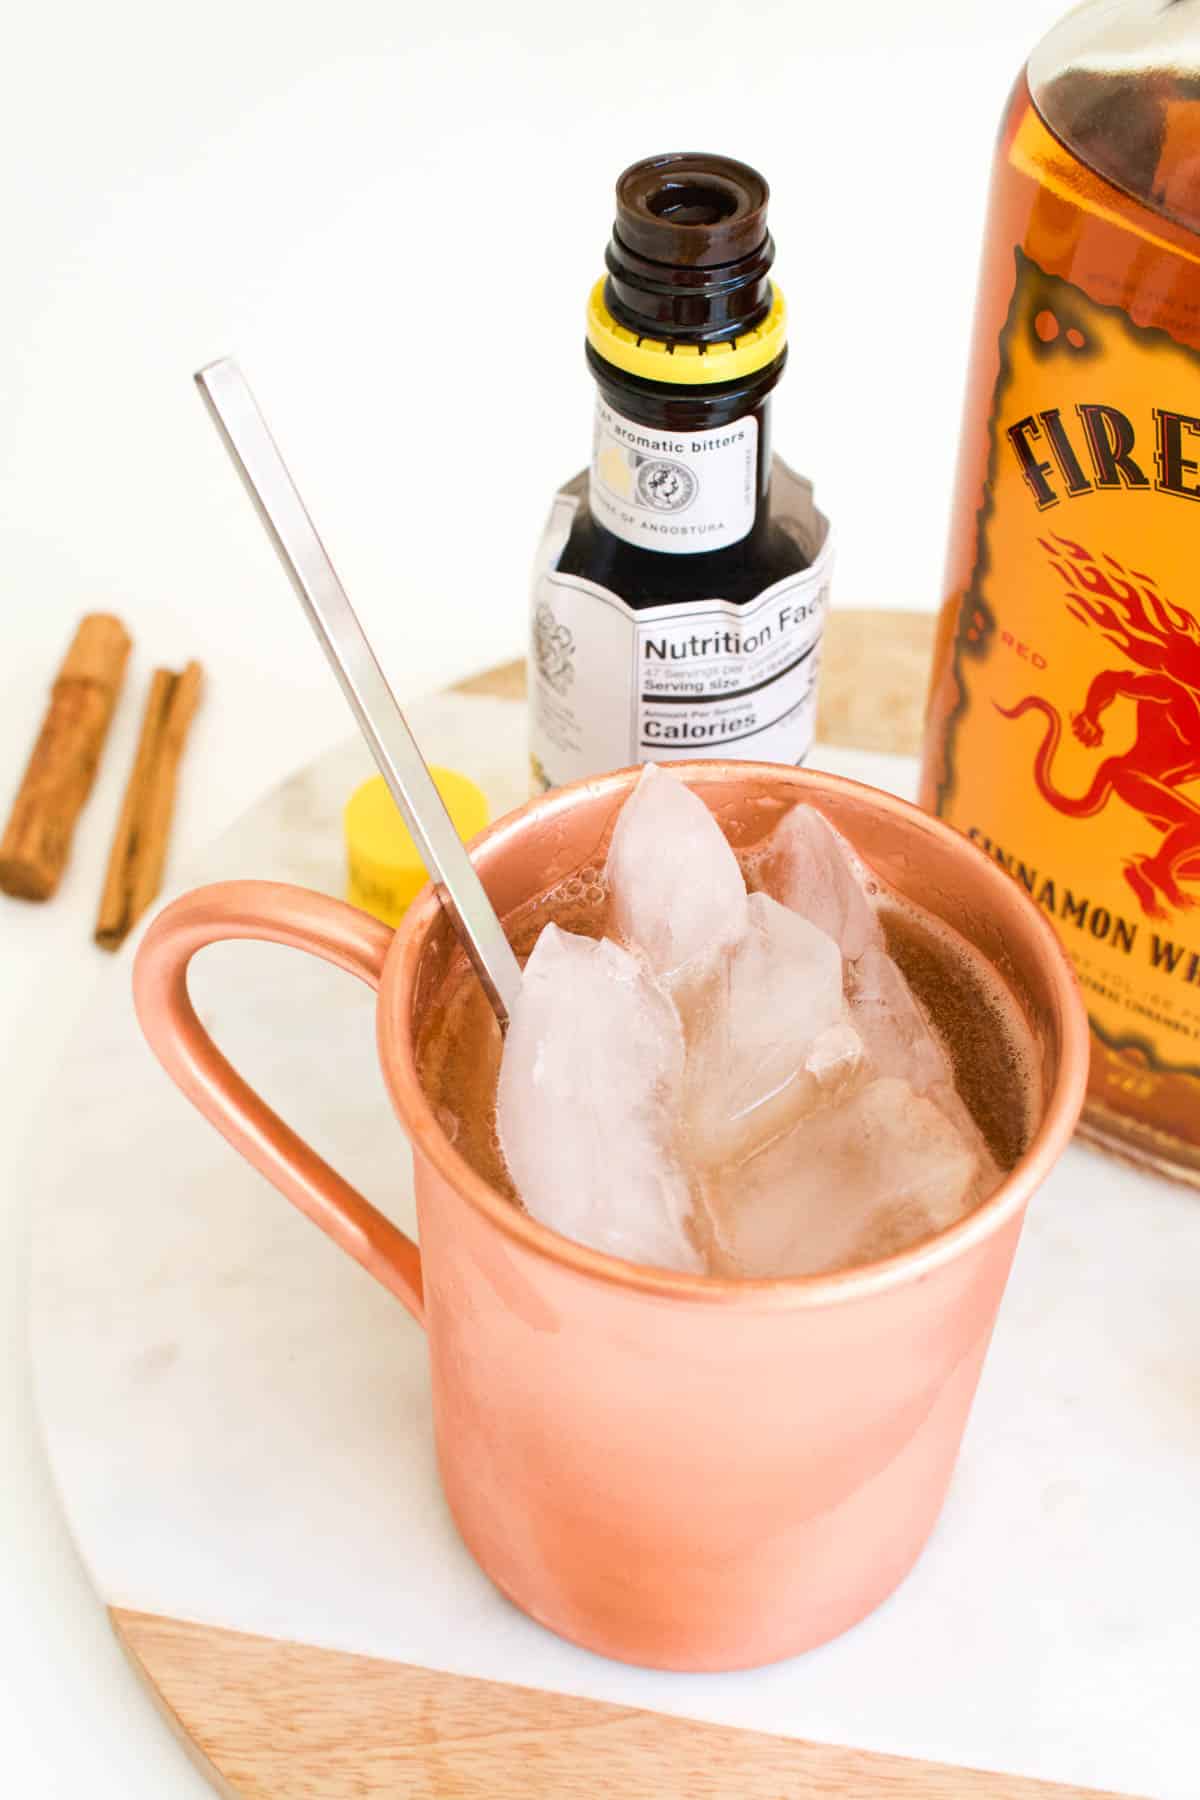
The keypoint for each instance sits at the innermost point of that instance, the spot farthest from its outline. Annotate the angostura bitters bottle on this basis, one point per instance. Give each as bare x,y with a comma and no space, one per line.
681,585
1064,721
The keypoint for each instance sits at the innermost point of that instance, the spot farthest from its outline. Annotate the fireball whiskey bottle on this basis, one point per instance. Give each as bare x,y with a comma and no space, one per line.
1064,713
681,585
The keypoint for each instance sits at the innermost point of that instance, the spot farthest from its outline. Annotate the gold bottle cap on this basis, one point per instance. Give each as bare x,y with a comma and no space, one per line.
384,869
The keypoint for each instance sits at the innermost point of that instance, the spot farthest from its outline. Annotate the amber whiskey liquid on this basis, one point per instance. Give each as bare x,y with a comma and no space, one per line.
1064,714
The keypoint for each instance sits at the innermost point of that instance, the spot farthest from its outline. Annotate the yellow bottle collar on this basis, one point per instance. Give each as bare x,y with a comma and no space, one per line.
690,365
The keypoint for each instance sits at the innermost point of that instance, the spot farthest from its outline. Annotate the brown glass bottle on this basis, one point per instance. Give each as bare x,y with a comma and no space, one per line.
656,632
648,577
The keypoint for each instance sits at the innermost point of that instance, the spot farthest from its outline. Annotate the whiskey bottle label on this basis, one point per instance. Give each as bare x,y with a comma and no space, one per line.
1072,749
611,685
673,491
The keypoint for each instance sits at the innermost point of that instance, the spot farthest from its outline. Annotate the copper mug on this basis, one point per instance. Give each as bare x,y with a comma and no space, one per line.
673,1470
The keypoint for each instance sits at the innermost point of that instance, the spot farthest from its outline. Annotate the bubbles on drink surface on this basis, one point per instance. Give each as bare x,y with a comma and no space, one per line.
588,888
800,1077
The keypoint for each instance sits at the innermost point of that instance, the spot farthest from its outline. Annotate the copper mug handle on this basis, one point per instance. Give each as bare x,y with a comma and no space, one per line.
273,913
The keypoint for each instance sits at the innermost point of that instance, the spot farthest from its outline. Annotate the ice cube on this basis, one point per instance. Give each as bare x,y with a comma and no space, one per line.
897,1037
857,1180
677,891
588,1098
807,865
768,1036
899,1040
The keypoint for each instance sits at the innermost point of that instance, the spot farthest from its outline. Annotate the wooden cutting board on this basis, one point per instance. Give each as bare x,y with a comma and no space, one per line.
267,1719
273,1721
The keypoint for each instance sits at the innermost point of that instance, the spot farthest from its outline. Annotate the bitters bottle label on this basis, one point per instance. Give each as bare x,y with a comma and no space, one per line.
678,491
1072,754
611,685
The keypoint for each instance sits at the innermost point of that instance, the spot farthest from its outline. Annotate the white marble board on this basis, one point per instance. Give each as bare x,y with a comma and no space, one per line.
238,1417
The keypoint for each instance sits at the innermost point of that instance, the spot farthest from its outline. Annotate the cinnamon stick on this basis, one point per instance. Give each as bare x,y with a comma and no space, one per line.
139,850
62,766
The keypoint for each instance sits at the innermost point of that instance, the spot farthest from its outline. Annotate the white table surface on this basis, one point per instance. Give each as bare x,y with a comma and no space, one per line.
265,178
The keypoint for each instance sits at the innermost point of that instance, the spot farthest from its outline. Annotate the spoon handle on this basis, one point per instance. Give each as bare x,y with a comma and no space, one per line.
279,506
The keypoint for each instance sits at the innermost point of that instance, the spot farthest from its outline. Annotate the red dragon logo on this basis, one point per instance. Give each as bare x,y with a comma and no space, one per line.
1151,776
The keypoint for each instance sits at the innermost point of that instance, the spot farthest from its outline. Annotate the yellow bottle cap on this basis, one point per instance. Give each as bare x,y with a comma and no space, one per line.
384,868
